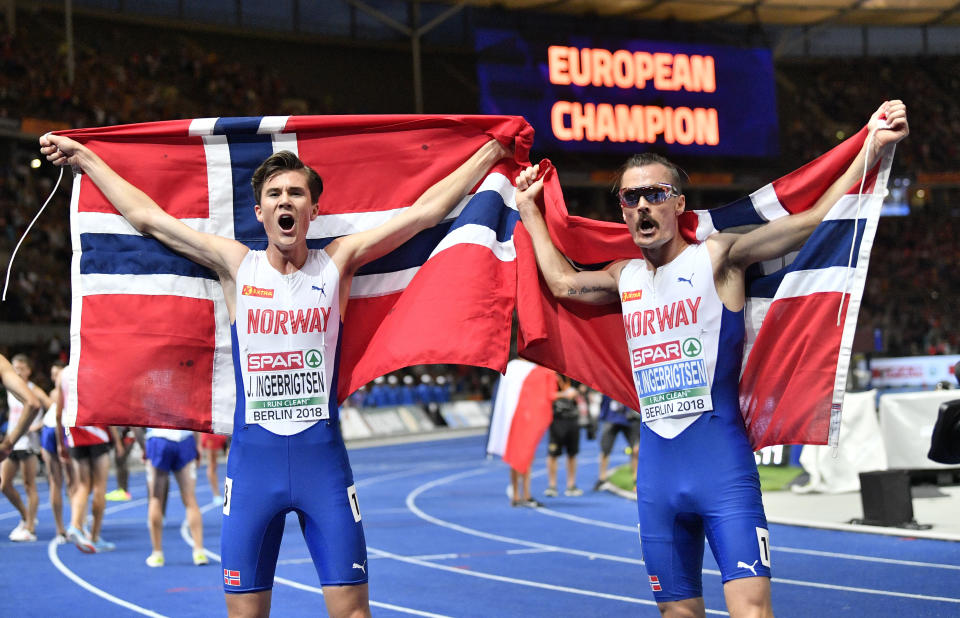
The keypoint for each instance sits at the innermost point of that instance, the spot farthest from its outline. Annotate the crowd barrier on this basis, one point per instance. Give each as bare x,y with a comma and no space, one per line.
889,432
381,422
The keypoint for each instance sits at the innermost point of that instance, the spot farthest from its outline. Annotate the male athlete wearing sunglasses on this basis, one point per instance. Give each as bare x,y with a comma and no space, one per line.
696,474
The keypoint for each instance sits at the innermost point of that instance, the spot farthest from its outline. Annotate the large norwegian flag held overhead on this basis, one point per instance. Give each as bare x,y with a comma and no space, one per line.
800,315
149,332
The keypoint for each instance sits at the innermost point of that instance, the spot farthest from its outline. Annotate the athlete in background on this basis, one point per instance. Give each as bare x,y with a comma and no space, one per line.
23,404
25,451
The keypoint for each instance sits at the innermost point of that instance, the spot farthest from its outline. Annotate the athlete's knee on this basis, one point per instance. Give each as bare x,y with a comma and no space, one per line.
248,605
749,597
687,608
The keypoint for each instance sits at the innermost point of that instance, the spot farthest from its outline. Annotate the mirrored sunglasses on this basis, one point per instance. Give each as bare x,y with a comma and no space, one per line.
654,194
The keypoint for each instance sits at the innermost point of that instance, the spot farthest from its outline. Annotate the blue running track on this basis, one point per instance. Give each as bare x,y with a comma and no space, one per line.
444,541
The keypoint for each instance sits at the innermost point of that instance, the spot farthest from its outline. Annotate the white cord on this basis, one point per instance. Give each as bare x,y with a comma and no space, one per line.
22,238
856,220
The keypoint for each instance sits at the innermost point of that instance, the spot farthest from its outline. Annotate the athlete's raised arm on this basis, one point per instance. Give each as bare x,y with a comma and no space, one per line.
565,281
223,255
21,390
781,236
353,251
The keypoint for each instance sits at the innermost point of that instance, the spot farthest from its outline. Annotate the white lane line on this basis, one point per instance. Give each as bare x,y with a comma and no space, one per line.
55,559
522,582
448,556
584,520
411,504
774,549
60,566
830,554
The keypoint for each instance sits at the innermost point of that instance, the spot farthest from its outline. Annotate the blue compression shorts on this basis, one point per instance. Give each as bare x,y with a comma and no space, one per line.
269,476
48,439
171,456
704,483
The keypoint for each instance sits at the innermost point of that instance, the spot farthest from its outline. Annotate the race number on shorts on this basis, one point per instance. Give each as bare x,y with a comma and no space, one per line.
354,505
227,494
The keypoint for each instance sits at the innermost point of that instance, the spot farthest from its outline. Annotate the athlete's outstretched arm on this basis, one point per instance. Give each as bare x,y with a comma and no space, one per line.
223,255
353,251
781,236
31,405
565,281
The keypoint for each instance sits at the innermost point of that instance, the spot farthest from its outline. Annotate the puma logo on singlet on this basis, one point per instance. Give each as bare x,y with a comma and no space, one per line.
323,292
362,567
743,565
690,280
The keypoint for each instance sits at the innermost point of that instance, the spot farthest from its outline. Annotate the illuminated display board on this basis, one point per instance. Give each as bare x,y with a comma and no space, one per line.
587,95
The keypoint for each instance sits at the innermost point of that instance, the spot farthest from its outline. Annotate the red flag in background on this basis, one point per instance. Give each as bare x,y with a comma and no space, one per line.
522,411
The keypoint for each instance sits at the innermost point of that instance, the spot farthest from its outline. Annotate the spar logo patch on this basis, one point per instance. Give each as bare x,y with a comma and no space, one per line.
314,358
660,353
252,290
634,295
272,361
231,578
692,347
655,583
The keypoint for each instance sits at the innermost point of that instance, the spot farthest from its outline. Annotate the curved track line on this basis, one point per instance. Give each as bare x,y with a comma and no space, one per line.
411,504
55,559
774,548
522,582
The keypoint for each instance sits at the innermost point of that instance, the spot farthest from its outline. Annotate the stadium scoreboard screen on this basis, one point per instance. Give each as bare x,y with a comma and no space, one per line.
588,95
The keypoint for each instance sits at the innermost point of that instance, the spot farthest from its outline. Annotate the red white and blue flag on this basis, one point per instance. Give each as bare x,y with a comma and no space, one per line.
150,333
796,355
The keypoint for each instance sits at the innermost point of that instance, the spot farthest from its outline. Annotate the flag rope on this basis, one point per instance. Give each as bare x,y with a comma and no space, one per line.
13,255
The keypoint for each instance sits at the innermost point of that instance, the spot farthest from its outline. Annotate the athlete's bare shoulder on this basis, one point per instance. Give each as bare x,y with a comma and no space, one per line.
616,268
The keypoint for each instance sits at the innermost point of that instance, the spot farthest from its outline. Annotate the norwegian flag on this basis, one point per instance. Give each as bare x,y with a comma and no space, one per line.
796,356
655,583
149,330
231,578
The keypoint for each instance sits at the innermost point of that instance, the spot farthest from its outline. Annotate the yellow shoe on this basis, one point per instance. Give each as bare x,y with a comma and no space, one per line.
200,557
117,495
155,559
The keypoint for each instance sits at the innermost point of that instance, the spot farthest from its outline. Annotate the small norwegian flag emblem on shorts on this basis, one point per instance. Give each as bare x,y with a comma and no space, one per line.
231,578
655,583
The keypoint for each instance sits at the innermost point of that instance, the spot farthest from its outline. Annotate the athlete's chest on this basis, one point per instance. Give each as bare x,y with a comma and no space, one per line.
273,305
679,296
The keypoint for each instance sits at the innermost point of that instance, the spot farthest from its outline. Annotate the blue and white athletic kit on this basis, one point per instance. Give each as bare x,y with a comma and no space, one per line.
48,435
288,453
170,450
697,475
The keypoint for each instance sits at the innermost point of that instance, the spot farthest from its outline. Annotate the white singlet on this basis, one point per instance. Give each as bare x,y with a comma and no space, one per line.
287,329
672,319
15,407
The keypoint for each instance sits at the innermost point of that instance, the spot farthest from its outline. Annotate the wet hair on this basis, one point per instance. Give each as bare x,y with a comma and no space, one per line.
677,175
285,161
